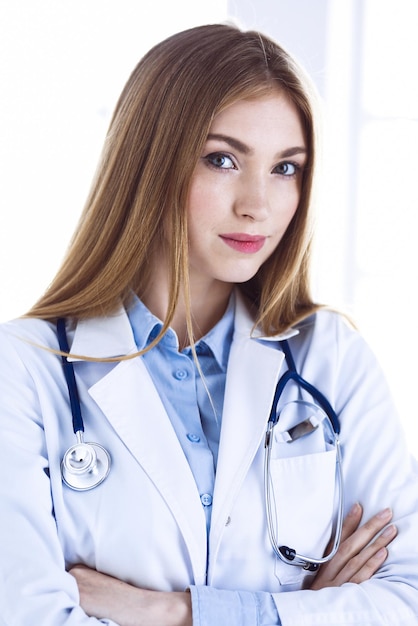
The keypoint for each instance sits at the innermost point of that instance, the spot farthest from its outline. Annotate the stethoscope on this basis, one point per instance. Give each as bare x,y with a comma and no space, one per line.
315,416
86,465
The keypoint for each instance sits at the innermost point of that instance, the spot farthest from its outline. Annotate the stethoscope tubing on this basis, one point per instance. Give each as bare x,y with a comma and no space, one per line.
292,374
284,553
78,425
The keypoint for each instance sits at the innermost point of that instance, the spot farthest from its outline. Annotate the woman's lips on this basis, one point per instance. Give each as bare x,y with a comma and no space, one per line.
242,242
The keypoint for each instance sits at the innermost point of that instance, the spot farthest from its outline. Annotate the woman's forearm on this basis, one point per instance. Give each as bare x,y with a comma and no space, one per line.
103,596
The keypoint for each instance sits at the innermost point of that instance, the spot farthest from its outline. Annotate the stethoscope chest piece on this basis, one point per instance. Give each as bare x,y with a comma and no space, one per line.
85,465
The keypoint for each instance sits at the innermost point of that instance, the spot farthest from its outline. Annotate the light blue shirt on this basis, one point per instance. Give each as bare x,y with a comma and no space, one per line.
196,416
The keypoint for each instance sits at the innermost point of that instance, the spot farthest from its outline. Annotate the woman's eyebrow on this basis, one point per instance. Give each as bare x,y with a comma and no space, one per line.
234,143
289,152
244,149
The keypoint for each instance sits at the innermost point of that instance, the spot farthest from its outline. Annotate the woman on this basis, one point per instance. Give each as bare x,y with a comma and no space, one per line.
188,270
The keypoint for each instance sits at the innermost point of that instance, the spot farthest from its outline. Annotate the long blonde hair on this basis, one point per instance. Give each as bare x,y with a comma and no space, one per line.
157,132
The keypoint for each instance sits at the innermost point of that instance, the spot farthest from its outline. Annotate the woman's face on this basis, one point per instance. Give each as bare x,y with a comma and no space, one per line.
245,188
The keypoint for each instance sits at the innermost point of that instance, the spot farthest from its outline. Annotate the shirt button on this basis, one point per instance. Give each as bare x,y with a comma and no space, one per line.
180,374
206,499
193,438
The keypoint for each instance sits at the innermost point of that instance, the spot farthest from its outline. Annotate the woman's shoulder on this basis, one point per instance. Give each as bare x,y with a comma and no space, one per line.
333,332
328,320
329,327
27,332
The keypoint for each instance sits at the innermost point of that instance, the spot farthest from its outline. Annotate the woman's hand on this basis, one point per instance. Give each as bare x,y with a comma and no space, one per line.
362,550
103,596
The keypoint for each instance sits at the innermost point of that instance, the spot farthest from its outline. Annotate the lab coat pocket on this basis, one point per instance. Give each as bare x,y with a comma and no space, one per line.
302,494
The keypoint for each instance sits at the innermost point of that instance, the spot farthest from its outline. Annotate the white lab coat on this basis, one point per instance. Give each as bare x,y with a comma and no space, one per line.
145,524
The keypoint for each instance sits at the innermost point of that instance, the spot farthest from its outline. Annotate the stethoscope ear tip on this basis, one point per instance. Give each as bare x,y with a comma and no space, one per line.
287,553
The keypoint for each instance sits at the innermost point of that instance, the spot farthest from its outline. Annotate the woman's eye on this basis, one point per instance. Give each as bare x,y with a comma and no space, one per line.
286,169
220,160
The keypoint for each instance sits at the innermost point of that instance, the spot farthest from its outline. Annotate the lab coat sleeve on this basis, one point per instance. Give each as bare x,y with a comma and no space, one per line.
378,472
34,585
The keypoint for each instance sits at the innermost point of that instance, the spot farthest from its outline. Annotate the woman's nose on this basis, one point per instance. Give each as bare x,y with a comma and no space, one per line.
252,199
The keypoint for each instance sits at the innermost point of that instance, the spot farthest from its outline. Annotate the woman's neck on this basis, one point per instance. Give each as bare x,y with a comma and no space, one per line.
207,306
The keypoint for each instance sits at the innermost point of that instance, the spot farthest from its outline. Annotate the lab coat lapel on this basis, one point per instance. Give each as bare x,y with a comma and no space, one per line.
253,371
130,402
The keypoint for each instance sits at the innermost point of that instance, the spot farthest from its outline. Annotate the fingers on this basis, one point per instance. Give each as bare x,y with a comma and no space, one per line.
351,522
370,529
363,549
354,543
368,560
370,567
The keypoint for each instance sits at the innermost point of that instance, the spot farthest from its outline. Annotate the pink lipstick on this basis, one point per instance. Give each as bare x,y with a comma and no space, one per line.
249,244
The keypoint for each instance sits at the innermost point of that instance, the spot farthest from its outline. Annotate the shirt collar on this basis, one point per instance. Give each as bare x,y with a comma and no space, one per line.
146,326
219,338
